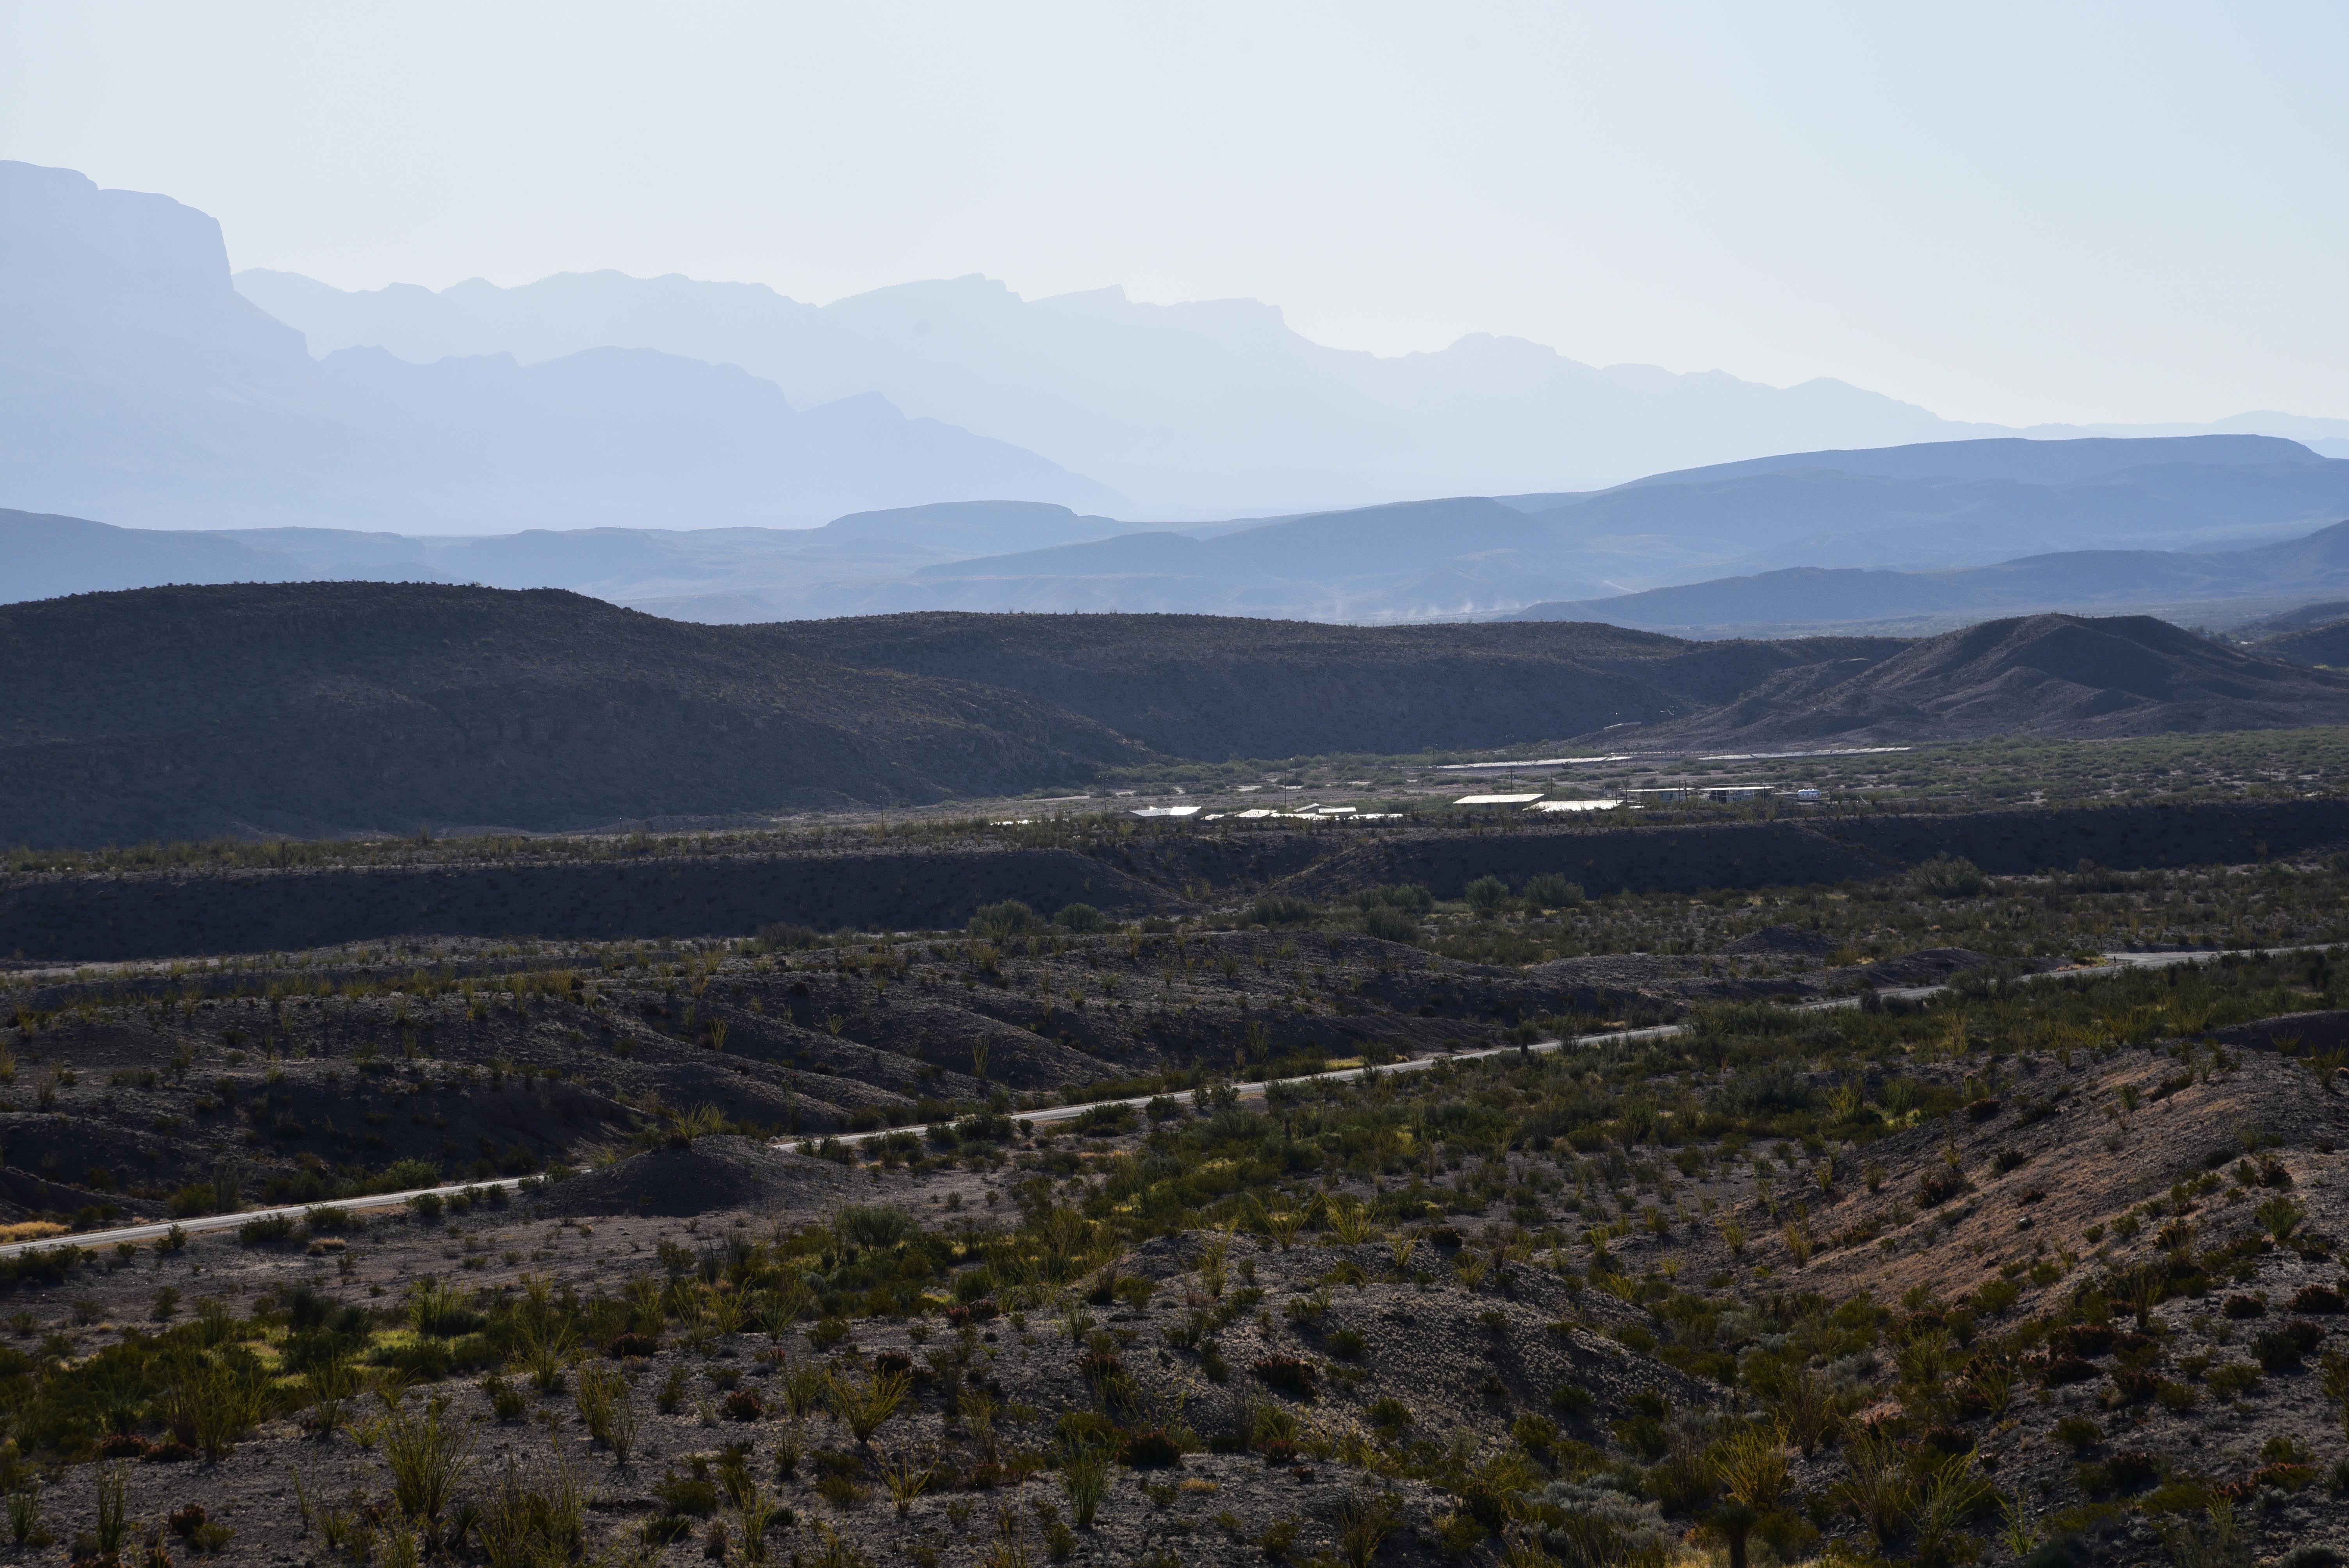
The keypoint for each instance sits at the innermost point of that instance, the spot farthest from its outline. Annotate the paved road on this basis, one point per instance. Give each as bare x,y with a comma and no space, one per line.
1051,1114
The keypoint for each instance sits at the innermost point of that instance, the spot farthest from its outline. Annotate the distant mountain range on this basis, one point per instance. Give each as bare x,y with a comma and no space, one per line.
1813,596
1944,507
318,708
1189,410
138,385
599,433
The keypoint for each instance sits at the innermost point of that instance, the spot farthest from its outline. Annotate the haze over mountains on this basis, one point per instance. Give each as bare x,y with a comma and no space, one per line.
607,438
1190,410
138,387
1961,518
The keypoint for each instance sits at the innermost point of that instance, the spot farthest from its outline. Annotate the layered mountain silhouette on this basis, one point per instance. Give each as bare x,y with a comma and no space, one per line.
1813,596
1197,409
587,433
137,386
1538,556
316,708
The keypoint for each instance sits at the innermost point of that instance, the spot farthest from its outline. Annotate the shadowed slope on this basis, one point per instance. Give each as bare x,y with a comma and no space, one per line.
1218,687
318,707
2037,675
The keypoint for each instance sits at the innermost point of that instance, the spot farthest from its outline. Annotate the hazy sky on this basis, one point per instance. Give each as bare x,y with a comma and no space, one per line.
2016,213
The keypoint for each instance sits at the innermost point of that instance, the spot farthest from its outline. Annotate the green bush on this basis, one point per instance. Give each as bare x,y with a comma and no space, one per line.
1550,891
1388,924
1487,894
268,1230
1080,917
872,1225
995,921
1412,898
2078,1433
1947,876
1278,909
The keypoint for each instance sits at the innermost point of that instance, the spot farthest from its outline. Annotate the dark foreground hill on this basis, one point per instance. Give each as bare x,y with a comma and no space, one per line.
1213,686
309,708
315,707
2038,675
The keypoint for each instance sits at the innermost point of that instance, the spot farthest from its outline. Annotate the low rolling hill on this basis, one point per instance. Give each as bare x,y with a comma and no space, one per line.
318,708
315,708
1217,687
2040,674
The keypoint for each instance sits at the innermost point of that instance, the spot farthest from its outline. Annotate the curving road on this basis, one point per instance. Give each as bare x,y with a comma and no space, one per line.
153,1229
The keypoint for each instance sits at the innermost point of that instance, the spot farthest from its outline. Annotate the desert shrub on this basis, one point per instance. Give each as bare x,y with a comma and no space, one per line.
268,1230
2280,1349
608,1408
1279,909
1080,917
866,1404
872,1226
1104,1121
995,921
1947,876
1389,925
1997,1296
212,1399
693,1494
1597,1526
2319,1298
417,1360
441,1311
785,937
2081,1339
1572,1398
1548,890
1290,1374
1935,1188
2233,1379
1084,1475
1148,1447
2078,1433
2063,1370
537,1519
1486,895
2242,1306
1412,898
1765,1091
